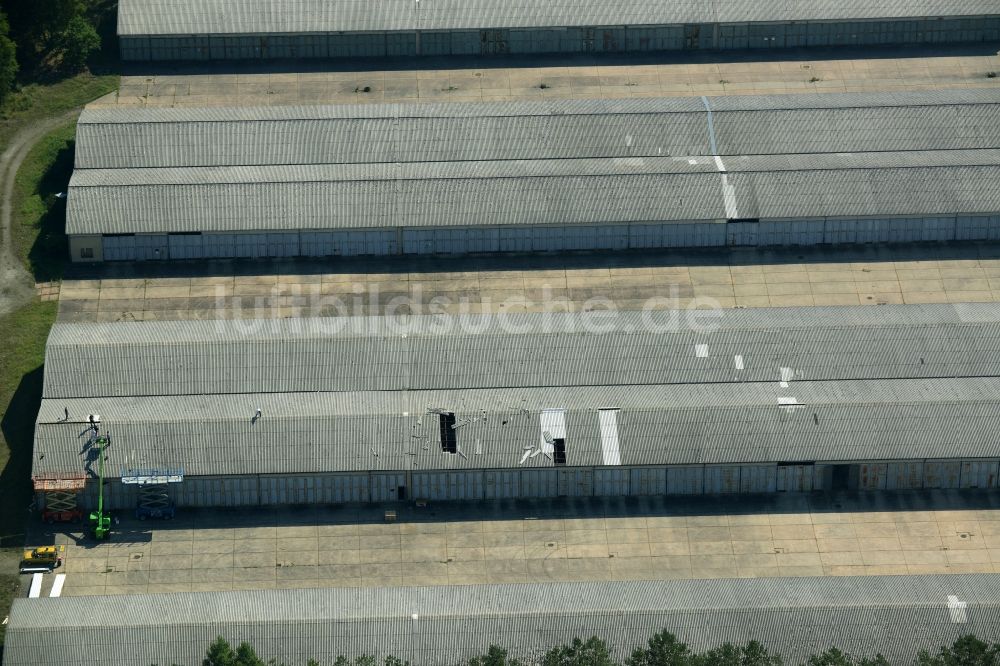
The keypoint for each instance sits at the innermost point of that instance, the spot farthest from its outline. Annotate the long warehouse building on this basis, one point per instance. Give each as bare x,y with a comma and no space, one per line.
895,616
545,405
269,29
520,177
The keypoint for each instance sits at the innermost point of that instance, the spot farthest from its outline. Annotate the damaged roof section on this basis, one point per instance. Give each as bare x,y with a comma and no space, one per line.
533,390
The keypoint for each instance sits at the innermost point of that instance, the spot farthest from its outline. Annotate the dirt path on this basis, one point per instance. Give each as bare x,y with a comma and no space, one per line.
16,284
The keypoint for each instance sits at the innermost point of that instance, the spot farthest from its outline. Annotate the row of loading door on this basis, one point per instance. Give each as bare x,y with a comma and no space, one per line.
463,240
560,40
567,482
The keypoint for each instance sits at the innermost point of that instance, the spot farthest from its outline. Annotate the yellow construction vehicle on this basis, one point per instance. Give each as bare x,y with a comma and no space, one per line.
44,558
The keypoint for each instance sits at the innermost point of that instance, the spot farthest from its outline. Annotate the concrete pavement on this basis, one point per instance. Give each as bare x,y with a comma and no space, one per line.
957,273
583,77
555,540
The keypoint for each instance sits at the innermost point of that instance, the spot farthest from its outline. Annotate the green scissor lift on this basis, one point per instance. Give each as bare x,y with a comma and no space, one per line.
100,522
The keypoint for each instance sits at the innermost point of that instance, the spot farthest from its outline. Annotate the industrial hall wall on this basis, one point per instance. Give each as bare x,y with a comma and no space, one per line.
547,238
500,484
596,39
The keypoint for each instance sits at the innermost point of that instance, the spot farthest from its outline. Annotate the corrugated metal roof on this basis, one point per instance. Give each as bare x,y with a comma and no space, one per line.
186,17
895,616
867,192
537,192
899,419
520,350
356,393
561,162
428,195
389,133
123,137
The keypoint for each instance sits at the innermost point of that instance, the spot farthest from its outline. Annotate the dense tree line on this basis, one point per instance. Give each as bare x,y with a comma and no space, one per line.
663,649
41,38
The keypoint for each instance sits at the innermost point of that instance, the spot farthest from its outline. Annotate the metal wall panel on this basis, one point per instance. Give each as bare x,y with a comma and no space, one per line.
695,234
791,232
685,480
794,478
539,483
871,476
216,491
742,233
250,246
185,246
298,489
758,478
221,246
342,488
942,474
840,231
283,244
592,39
870,230
979,474
266,245
822,475
661,38
734,36
238,491
612,481
474,485
972,227
575,481
709,234
938,228
722,479
905,230
117,496
503,484
134,48
451,241
435,43
439,486
648,481
151,247
379,242
385,487
465,240
766,36
118,248
400,44
904,475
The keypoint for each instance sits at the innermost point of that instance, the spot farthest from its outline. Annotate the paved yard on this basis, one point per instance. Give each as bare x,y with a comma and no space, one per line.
734,278
559,540
877,70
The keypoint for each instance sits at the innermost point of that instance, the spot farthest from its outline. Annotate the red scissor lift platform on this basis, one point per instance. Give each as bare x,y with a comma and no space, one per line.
60,496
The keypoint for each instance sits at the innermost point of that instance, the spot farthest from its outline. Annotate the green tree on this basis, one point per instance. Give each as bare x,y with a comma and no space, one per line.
78,41
8,58
395,661
368,660
727,654
247,656
220,653
38,25
834,657
593,652
966,651
664,650
495,656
